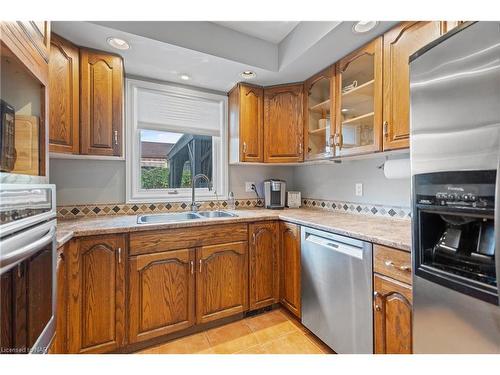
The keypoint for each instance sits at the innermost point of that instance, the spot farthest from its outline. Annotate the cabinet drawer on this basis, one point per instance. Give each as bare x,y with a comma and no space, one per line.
184,238
393,263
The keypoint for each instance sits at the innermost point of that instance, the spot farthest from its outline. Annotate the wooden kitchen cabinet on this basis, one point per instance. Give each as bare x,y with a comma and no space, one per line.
64,89
264,264
246,123
29,41
399,44
96,294
162,294
358,108
283,124
290,270
392,306
221,281
319,115
101,103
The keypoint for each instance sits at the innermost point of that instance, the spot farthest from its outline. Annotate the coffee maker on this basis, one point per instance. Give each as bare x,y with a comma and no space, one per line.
274,194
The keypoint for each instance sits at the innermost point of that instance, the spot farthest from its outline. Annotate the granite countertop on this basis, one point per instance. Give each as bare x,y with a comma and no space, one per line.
390,232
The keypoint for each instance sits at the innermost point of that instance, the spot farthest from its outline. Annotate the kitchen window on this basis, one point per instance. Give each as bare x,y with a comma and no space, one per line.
173,134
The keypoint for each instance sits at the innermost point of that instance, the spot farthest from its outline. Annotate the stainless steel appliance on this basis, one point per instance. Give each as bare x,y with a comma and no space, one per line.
455,146
27,268
274,194
337,290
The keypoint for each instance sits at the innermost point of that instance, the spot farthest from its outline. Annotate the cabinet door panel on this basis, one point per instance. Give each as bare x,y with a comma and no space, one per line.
64,87
101,97
392,316
161,294
96,294
221,281
251,123
264,274
290,294
399,44
283,124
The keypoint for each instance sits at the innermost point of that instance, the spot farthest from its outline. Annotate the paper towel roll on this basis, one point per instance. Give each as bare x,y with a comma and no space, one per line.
399,168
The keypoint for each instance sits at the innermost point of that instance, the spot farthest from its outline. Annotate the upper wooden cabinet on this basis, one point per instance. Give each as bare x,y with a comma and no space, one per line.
162,294
359,101
392,316
399,44
101,103
283,124
264,264
319,115
96,294
246,116
30,42
221,281
290,270
64,87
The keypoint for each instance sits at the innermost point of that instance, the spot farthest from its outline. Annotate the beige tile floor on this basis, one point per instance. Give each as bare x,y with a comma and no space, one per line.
273,332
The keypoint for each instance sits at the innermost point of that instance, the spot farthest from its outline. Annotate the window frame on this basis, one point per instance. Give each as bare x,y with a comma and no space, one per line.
134,193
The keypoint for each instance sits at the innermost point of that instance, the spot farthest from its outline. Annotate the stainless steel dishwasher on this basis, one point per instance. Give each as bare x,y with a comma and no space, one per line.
337,290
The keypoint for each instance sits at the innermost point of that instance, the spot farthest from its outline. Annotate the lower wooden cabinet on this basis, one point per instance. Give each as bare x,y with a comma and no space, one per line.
264,264
221,281
96,294
290,290
392,305
162,292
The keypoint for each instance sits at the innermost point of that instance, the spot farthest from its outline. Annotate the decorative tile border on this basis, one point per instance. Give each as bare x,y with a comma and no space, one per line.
96,210
392,212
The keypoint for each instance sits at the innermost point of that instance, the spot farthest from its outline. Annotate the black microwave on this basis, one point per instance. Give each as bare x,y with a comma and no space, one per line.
7,137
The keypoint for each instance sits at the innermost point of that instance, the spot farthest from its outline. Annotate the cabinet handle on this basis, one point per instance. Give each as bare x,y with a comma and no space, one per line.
200,263
253,238
300,148
405,268
389,263
375,304
192,266
386,129
244,147
115,135
119,255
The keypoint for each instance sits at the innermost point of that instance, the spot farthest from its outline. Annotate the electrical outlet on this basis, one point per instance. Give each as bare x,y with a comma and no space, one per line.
248,186
359,189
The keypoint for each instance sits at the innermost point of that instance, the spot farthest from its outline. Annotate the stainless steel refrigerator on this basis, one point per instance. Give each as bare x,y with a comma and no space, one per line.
455,165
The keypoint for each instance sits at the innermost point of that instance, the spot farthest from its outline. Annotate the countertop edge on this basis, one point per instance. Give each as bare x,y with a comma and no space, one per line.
64,236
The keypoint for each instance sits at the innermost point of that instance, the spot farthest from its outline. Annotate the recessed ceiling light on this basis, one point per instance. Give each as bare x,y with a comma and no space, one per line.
362,27
185,77
344,110
118,43
248,74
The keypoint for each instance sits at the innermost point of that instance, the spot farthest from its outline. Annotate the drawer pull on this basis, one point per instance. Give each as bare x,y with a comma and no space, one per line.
192,267
390,263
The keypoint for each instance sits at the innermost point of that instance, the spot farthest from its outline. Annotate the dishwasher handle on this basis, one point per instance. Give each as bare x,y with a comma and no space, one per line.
352,251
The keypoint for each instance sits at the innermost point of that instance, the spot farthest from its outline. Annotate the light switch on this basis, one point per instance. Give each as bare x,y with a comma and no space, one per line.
359,189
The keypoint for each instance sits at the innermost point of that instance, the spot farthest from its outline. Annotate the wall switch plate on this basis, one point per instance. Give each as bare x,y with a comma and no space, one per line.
359,189
248,187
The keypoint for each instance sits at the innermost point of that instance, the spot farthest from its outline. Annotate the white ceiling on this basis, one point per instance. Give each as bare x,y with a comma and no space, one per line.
215,55
271,31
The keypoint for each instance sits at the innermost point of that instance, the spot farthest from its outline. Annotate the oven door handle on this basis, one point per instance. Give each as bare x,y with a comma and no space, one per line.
27,251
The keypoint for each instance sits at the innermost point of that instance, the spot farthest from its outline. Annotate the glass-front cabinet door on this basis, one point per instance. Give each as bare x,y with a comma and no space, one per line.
359,101
318,118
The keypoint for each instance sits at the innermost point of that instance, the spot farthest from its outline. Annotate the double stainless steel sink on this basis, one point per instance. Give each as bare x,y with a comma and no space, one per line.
182,216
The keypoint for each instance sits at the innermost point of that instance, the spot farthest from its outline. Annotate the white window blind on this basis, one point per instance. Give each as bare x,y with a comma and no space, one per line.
163,110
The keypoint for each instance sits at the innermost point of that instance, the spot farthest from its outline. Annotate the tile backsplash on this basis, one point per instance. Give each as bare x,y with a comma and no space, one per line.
96,210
